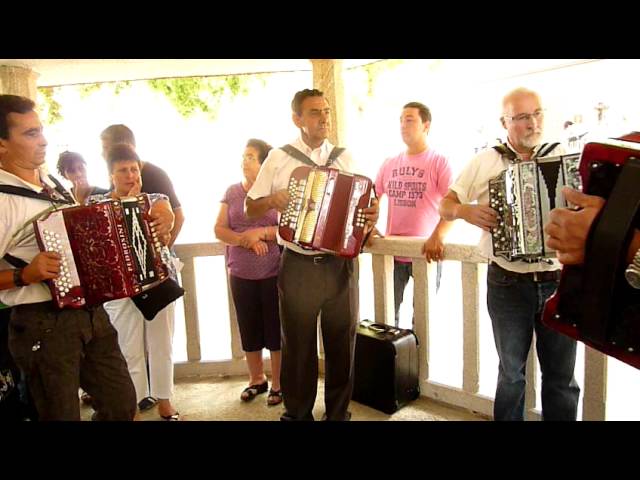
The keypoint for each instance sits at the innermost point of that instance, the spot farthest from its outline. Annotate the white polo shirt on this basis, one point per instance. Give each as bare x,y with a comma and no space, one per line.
473,185
276,170
16,212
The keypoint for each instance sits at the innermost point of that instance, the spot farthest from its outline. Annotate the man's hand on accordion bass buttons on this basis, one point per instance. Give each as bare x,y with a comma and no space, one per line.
279,200
44,266
162,223
568,229
371,213
481,216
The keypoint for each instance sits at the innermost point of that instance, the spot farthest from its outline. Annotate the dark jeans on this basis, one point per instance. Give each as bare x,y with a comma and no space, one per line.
401,273
515,304
62,350
15,401
307,287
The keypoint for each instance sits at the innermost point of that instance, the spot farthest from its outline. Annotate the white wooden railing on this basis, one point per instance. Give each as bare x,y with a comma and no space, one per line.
383,251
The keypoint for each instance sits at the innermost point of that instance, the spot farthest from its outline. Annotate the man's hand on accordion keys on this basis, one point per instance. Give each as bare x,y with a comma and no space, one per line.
481,216
568,229
44,266
279,200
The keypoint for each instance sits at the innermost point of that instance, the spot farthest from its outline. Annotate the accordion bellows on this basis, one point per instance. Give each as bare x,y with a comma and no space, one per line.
325,210
523,195
107,248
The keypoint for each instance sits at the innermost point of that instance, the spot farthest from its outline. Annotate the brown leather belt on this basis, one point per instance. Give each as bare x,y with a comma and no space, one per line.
537,277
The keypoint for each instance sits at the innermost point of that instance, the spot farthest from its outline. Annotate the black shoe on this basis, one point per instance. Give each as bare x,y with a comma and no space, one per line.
347,417
147,403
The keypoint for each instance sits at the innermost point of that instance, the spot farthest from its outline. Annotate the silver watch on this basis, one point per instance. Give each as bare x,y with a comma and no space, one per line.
632,273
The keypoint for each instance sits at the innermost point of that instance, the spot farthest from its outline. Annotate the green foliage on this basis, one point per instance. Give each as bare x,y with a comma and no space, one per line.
88,89
192,95
51,109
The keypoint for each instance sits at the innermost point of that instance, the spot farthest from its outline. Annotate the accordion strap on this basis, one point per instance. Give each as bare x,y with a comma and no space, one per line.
14,261
606,249
298,155
25,192
511,156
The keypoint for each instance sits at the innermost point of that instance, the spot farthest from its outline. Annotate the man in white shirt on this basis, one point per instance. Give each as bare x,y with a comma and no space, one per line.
59,350
516,291
310,282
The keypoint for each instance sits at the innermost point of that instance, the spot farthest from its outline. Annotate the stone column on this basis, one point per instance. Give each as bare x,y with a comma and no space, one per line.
327,77
18,81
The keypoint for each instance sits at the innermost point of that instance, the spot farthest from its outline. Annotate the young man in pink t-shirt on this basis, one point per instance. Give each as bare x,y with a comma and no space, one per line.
414,182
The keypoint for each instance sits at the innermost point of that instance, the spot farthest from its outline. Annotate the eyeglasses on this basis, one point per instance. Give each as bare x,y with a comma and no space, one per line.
525,117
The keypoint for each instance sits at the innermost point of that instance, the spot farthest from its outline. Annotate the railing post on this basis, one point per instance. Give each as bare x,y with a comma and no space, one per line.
192,323
424,289
531,378
594,406
383,295
471,327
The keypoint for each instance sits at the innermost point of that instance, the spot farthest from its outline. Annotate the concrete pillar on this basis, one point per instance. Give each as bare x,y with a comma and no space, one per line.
327,76
18,81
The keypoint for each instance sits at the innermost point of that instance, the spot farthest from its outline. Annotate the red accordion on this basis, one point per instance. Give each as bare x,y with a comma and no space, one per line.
593,302
325,210
108,251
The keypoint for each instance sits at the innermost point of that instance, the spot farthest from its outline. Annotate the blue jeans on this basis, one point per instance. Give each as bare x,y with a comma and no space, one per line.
401,274
515,304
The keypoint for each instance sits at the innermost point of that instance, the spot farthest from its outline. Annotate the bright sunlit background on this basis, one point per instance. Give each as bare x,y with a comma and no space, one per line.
202,157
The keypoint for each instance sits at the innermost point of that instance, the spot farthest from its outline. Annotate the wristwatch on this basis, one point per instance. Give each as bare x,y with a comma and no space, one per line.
17,278
632,273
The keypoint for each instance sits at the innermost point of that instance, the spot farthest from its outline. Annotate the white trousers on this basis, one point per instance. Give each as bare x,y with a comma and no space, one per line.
135,335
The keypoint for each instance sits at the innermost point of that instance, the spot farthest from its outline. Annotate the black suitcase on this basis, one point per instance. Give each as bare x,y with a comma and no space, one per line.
385,367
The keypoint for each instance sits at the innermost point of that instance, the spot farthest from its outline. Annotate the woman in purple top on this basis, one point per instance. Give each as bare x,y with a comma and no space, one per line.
252,259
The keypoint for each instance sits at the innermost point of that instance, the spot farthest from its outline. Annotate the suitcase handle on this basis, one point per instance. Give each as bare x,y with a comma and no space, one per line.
376,328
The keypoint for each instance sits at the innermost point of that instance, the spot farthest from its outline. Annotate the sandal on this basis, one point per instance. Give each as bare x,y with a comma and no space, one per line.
147,403
251,391
274,397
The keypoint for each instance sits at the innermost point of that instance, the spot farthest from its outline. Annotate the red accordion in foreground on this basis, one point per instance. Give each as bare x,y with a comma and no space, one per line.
594,303
107,249
325,210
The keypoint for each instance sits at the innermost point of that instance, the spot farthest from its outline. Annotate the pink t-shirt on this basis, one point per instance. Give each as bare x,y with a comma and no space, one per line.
414,186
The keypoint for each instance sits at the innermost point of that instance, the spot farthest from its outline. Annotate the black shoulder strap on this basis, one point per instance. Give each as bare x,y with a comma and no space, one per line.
26,192
14,261
335,153
546,149
61,190
297,154
506,152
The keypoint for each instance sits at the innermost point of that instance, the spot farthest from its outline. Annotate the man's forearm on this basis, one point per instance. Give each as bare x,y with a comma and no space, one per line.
449,210
257,208
443,227
6,280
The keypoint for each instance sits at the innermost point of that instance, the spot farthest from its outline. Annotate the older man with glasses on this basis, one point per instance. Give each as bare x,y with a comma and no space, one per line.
517,290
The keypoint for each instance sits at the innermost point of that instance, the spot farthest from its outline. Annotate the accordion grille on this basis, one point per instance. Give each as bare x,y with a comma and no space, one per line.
314,201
